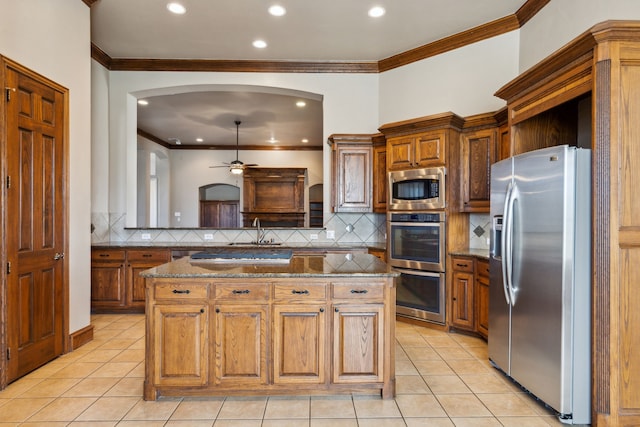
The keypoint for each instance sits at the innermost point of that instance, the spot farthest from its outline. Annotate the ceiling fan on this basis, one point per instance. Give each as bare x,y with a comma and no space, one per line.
236,167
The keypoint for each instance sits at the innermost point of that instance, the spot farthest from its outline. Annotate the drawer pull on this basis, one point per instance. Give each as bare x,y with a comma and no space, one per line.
303,292
181,291
337,309
322,310
359,291
241,291
217,310
461,265
202,310
104,255
147,255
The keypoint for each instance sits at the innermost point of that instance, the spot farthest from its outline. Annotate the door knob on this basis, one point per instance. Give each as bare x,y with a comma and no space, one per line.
58,255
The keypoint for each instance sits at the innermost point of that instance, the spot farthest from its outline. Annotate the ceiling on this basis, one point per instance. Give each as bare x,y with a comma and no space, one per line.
325,31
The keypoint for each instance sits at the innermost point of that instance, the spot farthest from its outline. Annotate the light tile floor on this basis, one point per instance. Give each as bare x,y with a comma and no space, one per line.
443,379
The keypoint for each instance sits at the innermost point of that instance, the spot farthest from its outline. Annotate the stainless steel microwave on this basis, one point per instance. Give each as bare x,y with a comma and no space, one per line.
417,189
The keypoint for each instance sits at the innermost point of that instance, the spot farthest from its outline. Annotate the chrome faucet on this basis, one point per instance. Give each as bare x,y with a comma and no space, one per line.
260,232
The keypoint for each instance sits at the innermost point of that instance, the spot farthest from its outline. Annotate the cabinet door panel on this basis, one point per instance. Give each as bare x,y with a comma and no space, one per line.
462,300
299,344
241,344
400,153
107,284
358,343
180,344
430,149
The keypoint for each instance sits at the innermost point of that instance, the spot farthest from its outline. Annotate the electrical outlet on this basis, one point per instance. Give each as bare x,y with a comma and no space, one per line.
145,236
208,236
331,234
313,236
488,241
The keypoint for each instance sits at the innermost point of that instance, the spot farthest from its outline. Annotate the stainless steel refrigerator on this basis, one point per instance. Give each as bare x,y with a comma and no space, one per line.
539,298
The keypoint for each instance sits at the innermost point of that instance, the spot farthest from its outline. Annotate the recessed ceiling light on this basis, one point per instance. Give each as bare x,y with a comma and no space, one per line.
272,140
305,140
301,104
176,8
376,11
260,44
143,102
199,139
277,10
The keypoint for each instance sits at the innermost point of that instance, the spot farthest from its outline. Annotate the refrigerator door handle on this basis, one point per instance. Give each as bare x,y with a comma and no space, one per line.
513,196
506,245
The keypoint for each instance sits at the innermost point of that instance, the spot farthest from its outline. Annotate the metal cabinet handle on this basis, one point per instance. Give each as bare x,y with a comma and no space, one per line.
241,291
147,255
359,291
322,310
181,291
461,265
303,292
336,309
202,310
217,310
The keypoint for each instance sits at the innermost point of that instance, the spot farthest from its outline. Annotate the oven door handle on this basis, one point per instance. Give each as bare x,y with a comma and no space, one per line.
418,272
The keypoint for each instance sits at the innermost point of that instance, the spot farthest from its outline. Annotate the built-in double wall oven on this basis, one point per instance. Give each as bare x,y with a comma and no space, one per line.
416,249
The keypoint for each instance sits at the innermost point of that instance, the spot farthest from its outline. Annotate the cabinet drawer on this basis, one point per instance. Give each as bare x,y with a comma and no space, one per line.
186,291
107,255
241,292
301,292
148,255
482,267
462,264
357,291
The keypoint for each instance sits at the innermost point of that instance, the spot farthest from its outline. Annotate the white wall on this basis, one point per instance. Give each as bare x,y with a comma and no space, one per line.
462,81
561,21
190,171
53,39
350,103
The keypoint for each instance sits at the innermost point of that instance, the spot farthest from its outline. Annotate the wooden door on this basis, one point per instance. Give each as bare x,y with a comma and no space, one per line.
34,221
219,213
462,314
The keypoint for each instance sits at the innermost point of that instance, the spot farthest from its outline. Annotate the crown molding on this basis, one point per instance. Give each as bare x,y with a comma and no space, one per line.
473,35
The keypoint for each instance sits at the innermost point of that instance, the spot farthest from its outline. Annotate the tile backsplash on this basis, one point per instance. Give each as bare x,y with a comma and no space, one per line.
479,231
348,228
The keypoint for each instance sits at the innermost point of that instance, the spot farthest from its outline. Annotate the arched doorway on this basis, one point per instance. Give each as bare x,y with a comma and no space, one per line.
219,206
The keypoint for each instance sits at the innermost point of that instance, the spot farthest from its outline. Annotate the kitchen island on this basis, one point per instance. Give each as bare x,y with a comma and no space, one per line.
314,324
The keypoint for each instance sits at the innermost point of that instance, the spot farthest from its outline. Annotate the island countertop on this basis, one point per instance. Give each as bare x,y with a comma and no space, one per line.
339,265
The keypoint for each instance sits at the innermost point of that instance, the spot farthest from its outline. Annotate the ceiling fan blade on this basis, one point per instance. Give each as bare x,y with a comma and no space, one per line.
250,165
221,166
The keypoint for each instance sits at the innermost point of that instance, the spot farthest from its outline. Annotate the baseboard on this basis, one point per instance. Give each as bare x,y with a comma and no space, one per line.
81,337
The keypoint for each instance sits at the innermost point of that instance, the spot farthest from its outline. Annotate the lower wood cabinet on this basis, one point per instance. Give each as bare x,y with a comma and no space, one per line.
116,285
220,337
470,294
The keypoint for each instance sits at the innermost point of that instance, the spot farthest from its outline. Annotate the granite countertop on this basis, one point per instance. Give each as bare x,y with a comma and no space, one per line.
478,253
205,245
352,265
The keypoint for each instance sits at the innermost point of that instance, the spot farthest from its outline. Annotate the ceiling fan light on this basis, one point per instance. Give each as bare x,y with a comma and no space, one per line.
236,170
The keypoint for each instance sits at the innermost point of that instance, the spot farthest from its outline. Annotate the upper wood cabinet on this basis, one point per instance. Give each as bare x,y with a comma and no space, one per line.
352,173
478,151
380,181
421,142
275,196
417,151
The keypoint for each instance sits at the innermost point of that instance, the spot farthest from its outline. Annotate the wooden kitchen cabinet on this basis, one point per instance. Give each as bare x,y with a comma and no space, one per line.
115,282
462,294
180,322
478,151
482,297
108,276
352,162
241,317
300,333
380,181
358,334
417,151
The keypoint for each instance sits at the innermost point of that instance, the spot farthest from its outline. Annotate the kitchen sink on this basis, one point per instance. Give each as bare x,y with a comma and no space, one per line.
251,255
253,243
